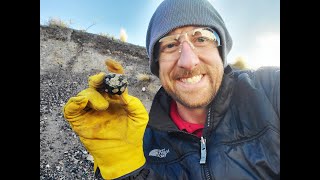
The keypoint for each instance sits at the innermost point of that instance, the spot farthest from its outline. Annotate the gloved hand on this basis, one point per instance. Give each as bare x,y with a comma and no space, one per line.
111,127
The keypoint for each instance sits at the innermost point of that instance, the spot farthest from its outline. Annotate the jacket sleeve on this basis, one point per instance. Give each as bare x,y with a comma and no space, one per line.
269,78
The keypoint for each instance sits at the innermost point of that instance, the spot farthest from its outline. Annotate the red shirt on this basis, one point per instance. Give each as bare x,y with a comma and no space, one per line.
183,125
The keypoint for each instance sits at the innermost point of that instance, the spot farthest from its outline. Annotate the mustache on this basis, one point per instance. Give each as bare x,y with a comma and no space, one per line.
184,73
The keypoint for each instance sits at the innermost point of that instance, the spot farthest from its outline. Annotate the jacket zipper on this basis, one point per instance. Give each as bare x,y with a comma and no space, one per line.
203,149
206,172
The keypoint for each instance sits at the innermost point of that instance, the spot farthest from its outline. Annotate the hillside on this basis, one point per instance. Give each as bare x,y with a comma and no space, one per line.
67,58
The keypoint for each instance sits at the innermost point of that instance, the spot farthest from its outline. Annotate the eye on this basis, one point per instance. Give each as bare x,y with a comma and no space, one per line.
169,46
201,41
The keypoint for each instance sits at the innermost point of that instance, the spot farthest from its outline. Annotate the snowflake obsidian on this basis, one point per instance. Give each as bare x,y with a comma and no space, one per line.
115,83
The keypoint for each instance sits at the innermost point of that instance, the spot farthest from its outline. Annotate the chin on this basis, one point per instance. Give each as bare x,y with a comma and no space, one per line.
194,102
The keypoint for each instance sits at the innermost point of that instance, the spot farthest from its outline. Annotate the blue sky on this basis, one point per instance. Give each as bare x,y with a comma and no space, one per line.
254,25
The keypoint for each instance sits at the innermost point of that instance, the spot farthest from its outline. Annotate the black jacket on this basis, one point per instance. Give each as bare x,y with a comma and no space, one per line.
242,133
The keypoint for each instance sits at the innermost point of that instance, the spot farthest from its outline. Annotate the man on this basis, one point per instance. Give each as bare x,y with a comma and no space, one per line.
207,121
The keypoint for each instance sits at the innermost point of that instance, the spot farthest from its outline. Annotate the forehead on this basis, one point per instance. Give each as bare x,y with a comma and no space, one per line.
183,29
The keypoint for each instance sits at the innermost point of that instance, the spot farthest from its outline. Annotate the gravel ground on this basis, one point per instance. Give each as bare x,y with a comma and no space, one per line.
62,156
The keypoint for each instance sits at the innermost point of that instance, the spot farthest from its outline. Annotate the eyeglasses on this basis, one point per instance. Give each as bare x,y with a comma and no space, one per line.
199,39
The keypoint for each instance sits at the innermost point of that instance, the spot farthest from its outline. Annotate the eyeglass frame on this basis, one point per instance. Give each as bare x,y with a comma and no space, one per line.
214,37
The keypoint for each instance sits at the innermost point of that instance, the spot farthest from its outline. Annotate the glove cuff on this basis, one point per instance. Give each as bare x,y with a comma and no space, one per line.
120,163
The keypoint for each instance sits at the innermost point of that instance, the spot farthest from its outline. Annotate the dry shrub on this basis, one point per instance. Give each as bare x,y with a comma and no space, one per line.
143,77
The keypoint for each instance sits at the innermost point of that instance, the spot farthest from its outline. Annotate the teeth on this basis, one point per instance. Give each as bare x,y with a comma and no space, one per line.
192,80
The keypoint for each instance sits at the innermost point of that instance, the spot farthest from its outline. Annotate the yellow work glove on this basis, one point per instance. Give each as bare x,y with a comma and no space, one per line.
111,127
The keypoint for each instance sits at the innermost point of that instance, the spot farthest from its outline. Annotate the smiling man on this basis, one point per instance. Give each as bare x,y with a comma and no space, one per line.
213,121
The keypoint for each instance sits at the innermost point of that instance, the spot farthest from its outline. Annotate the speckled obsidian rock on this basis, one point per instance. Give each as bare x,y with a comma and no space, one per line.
115,83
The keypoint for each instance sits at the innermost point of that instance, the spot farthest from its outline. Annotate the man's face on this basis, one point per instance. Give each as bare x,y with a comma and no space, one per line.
193,73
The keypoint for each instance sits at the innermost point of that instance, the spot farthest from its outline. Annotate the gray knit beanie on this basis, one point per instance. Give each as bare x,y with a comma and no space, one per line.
172,14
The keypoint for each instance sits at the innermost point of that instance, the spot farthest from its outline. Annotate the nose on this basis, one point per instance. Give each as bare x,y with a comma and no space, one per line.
188,59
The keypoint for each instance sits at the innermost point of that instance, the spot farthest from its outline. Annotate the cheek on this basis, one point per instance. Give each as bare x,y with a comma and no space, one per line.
165,68
162,73
211,58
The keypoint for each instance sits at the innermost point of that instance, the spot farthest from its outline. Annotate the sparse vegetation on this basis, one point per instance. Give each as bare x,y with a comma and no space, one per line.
52,22
143,77
240,63
123,35
57,22
107,35
104,34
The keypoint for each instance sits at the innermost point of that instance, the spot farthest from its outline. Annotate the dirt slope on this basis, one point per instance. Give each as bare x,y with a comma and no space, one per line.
67,58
